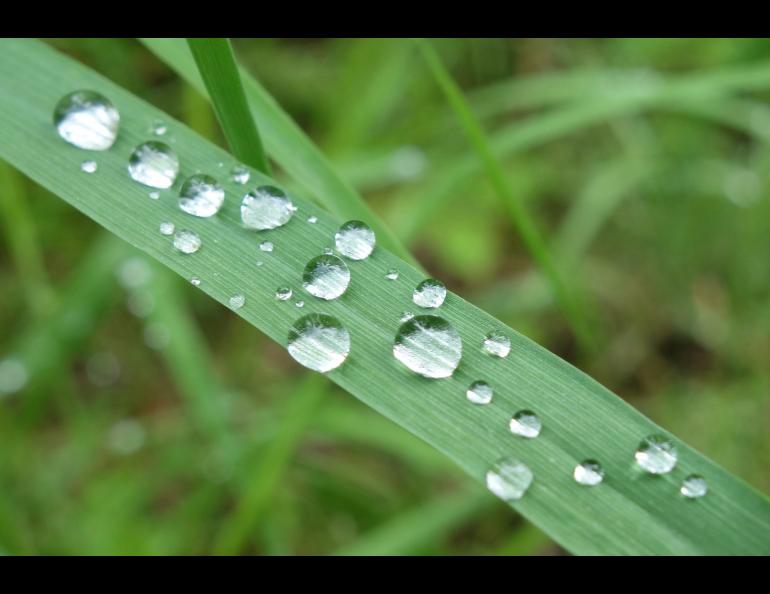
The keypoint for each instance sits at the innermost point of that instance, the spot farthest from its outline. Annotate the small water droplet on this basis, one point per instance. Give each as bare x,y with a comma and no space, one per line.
89,166
187,242
406,316
497,345
430,293
154,164
87,120
354,240
159,128
525,423
479,393
154,195
240,175
328,251
237,301
312,219
656,454
326,277
266,207
589,473
694,486
391,274
195,281
259,262
167,228
201,196
509,479
266,246
13,376
429,346
319,342
283,293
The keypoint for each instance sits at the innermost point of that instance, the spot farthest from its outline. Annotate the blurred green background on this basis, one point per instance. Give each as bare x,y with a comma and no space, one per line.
137,416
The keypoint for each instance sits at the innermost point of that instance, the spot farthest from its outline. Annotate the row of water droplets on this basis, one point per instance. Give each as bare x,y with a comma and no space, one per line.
426,344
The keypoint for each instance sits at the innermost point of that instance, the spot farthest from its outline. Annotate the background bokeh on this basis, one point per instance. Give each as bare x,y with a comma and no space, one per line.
138,416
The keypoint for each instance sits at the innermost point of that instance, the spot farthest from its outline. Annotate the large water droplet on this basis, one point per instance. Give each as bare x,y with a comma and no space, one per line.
354,240
13,376
283,293
429,346
430,293
525,423
694,486
319,342
479,393
589,473
656,454
187,242
326,277
153,164
240,175
87,120
509,479
497,345
237,301
89,166
266,207
201,196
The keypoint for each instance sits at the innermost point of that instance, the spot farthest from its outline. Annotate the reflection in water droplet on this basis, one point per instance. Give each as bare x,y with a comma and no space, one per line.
87,120
266,207
319,342
166,228
283,293
656,454
266,246
153,164
326,277
89,166
240,175
312,219
201,196
588,473
187,242
509,479
430,293
479,393
429,346
13,376
391,274
354,240
237,301
694,486
497,345
525,423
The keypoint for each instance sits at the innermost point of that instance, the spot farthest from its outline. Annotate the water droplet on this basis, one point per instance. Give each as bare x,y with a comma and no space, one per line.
509,479
479,393
391,274
266,207
266,246
326,277
354,240
694,486
154,195
187,242
87,120
167,228
429,346
312,219
283,293
89,166
237,301
328,251
153,164
430,293
240,175
656,454
299,303
589,473
525,423
13,376
159,128
497,345
201,196
319,342
195,281
406,316
259,262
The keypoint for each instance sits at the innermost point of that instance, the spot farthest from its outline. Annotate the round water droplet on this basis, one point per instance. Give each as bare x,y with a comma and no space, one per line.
326,277
166,228
430,293
299,303
187,242
429,346
195,281
391,274
89,166
154,195
312,219
509,479
153,164
266,246
240,175
87,120
525,423
479,393
589,473
283,293
13,376
266,207
497,345
159,128
694,486
319,342
354,240
237,301
656,454
201,196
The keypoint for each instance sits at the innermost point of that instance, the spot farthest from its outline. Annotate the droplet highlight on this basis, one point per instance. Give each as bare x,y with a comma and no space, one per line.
87,120
656,454
154,164
479,393
509,479
326,277
429,346
589,473
267,207
319,342
525,423
354,240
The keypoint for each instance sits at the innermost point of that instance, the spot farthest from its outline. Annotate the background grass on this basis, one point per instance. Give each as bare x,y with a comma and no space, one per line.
661,212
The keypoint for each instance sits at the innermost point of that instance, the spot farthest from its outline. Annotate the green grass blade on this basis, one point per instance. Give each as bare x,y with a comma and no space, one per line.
629,513
216,63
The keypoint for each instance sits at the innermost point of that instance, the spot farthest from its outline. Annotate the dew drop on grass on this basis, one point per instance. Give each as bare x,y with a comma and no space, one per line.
13,376
326,277
187,242
354,240
656,454
312,219
89,166
240,175
201,196
319,342
237,301
588,473
479,393
694,486
497,345
509,479
299,303
166,228
266,246
525,423
266,207
154,164
430,293
391,274
283,293
195,281
154,195
87,120
429,346
159,128
259,262
406,316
